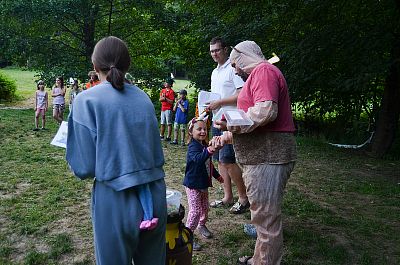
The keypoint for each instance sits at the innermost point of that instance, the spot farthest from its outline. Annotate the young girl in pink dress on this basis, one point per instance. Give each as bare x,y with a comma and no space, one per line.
41,105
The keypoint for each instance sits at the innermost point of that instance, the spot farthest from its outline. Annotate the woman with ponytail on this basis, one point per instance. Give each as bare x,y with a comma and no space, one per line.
113,138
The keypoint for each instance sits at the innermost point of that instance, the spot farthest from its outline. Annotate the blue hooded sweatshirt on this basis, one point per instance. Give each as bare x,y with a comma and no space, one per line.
113,136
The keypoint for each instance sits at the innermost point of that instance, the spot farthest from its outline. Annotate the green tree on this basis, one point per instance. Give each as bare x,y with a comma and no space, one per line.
58,37
339,57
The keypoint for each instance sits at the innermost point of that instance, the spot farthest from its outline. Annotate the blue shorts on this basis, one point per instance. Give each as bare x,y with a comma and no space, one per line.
226,154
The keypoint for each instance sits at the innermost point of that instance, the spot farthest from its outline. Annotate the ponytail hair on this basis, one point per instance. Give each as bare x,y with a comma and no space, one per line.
111,57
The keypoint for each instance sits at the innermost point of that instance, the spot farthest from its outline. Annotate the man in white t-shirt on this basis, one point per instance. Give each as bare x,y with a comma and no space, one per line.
225,82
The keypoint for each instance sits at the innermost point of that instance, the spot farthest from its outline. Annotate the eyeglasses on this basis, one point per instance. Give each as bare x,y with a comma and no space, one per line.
216,50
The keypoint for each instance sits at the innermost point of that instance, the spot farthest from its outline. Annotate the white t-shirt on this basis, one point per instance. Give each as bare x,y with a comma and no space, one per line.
225,82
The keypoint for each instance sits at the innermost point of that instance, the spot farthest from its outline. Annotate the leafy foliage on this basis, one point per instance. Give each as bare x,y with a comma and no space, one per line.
8,88
335,55
58,37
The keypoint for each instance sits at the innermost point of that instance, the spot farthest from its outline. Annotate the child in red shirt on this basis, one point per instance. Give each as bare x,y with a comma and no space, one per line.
167,98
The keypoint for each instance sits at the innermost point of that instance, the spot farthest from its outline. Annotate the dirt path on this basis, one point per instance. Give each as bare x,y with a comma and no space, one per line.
21,104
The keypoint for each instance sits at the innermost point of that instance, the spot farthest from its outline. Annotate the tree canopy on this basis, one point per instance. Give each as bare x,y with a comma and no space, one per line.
341,58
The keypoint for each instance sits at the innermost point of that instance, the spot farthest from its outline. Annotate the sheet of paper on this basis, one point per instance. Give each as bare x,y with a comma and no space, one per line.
273,59
60,139
205,97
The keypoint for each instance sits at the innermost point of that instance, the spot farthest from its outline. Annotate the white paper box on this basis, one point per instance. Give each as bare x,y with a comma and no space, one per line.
237,117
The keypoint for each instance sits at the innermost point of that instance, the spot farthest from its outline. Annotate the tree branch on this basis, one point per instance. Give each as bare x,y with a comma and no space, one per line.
67,45
77,36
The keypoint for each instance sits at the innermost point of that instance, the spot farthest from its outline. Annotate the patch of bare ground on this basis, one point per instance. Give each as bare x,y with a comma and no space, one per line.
19,189
21,104
23,244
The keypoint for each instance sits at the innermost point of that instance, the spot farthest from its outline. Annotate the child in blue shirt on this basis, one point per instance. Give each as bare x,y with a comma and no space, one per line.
181,111
198,173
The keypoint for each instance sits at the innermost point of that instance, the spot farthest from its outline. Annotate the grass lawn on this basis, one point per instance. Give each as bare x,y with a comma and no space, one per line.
26,87
340,207
25,81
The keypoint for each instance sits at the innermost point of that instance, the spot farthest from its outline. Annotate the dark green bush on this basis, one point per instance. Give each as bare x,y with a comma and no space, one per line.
8,88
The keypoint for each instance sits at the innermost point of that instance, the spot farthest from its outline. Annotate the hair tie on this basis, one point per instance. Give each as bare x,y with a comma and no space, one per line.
112,66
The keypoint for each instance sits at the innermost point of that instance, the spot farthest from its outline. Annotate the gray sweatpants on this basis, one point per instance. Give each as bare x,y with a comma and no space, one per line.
116,218
264,187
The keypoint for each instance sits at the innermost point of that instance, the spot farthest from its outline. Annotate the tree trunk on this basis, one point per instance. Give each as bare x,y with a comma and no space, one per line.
388,118
89,26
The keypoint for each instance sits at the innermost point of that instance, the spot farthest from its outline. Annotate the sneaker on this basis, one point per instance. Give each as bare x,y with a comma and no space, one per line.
196,246
168,139
203,230
183,143
250,230
239,208
220,204
174,142
162,138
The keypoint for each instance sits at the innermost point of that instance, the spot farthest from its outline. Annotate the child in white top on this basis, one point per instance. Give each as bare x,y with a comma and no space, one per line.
74,92
58,94
41,105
